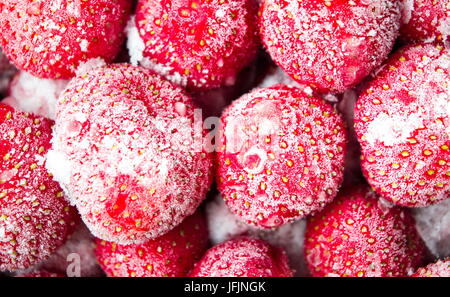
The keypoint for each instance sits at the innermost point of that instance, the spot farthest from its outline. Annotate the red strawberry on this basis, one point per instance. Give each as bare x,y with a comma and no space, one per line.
403,124
280,155
359,235
35,219
243,257
439,269
425,20
199,44
329,45
127,151
50,39
172,254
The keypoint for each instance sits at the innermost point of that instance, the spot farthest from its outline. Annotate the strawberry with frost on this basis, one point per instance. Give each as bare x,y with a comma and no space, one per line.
425,21
329,45
172,254
402,121
198,44
50,39
128,154
280,155
243,257
35,219
361,235
439,269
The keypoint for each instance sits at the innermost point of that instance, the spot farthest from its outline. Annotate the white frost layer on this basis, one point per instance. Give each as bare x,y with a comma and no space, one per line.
393,129
89,65
59,166
35,95
223,225
433,224
135,44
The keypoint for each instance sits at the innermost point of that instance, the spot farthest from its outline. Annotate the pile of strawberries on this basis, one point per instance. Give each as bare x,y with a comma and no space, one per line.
333,137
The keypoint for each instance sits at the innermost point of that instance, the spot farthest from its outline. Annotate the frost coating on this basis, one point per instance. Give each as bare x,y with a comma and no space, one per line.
391,130
135,44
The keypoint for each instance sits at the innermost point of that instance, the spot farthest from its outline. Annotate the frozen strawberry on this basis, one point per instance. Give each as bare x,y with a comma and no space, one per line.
128,152
34,95
172,254
35,219
243,257
439,269
360,235
197,44
50,39
329,45
402,121
280,155
425,21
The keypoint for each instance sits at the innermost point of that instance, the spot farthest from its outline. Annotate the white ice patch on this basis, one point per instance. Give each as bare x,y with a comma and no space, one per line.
442,104
35,95
84,45
135,44
393,129
58,165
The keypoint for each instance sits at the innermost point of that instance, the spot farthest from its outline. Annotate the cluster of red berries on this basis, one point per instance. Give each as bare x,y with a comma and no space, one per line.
95,136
